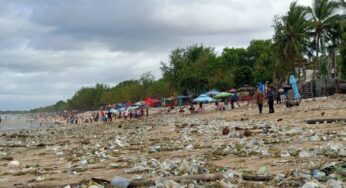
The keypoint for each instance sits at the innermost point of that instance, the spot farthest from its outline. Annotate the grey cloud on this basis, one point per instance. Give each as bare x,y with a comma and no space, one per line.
49,49
142,25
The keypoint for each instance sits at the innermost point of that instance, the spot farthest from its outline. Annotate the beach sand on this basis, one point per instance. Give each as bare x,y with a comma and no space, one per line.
67,154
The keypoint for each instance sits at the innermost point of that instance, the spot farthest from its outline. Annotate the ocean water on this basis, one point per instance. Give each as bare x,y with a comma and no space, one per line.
12,123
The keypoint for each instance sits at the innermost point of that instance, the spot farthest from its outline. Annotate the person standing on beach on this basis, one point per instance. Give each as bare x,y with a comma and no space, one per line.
233,100
109,116
270,97
260,99
278,97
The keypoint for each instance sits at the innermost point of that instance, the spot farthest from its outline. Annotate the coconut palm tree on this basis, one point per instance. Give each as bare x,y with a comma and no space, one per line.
323,17
290,39
343,3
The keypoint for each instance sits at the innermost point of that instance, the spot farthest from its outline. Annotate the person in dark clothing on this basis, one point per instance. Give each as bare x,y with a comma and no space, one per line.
192,109
278,97
233,100
270,97
109,116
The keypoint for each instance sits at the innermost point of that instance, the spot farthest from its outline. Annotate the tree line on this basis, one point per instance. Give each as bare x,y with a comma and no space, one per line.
311,37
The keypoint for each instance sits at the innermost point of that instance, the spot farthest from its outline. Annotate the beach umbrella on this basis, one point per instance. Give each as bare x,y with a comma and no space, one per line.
120,109
140,103
232,90
293,83
131,108
213,92
223,95
203,98
113,110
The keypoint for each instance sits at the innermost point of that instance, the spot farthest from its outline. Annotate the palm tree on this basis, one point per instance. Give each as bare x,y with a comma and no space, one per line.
323,17
290,39
343,3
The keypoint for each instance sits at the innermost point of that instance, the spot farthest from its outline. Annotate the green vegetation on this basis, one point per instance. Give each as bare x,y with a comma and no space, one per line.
304,34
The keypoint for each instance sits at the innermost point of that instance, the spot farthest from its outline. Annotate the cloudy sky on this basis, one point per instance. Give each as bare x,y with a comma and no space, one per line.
51,48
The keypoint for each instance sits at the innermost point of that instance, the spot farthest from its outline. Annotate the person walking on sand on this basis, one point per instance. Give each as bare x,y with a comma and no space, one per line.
270,97
260,100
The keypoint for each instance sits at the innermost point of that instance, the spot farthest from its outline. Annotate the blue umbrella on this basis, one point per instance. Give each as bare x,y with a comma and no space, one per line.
203,98
120,109
293,82
213,92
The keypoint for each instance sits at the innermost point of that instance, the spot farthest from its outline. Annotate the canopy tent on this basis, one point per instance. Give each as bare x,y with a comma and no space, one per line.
152,102
212,92
247,88
184,97
203,99
223,95
183,100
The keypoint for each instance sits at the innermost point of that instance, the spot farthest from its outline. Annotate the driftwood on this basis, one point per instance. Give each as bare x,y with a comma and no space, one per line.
13,145
100,181
256,178
250,129
329,120
201,177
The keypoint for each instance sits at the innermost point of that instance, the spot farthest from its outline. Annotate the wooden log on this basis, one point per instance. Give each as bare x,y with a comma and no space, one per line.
13,145
199,177
328,120
256,178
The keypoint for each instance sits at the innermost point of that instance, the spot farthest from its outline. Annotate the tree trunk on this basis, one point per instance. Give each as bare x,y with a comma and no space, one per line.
317,52
334,63
304,71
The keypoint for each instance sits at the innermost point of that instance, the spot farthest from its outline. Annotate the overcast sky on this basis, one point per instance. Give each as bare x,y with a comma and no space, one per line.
51,48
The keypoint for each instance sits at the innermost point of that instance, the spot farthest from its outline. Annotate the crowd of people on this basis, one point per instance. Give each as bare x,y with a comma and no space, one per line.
109,113
106,115
271,95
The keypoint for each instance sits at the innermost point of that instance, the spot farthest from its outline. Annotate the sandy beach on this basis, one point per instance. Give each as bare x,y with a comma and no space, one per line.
280,145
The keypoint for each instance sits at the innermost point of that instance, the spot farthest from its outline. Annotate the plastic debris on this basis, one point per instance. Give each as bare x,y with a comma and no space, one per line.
311,185
120,182
319,175
13,164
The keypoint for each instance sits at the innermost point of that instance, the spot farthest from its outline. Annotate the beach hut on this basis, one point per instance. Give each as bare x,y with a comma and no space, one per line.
171,101
184,100
152,102
246,93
